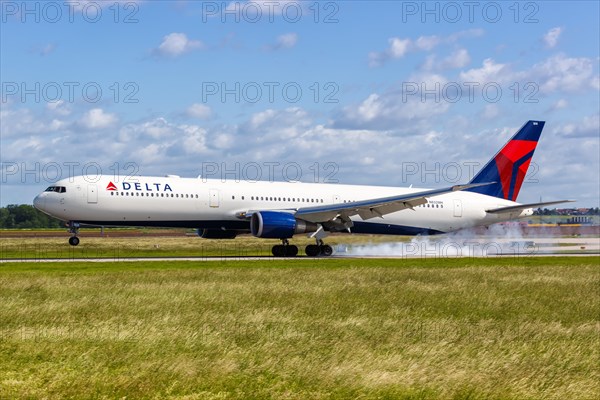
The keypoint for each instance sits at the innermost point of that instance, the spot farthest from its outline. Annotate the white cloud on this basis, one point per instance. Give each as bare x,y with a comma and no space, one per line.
45,50
194,140
200,111
588,126
59,107
399,48
168,134
274,125
24,122
490,71
457,59
557,74
562,73
155,129
392,109
427,43
491,111
551,37
176,44
559,105
370,108
287,40
97,118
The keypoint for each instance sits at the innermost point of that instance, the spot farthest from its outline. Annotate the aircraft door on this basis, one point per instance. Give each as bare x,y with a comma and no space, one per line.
457,208
213,198
92,194
336,199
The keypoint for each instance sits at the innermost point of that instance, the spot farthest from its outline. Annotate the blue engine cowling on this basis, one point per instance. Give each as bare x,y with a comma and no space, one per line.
278,225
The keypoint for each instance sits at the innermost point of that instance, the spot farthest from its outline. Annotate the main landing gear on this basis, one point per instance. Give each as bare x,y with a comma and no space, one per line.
312,250
285,249
74,230
319,249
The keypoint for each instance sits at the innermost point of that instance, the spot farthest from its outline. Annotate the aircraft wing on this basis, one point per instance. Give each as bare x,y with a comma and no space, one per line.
373,208
522,207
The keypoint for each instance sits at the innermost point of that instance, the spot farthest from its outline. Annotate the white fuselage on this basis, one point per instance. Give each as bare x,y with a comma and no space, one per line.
216,204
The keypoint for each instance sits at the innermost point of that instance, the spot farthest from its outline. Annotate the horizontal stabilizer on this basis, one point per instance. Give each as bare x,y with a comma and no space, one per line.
521,207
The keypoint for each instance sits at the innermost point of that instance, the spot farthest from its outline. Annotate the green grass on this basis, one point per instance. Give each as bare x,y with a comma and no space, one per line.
158,246
305,329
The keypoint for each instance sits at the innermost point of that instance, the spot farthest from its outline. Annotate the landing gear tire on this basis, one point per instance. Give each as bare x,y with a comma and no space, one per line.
326,250
73,230
312,250
292,251
278,250
315,250
287,250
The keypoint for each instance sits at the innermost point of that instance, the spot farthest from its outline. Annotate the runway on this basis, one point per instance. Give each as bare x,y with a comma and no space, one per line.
417,248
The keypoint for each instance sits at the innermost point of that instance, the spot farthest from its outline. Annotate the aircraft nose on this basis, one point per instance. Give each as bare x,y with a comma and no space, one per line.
39,202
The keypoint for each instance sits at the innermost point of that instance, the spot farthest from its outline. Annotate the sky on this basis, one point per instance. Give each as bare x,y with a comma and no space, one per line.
392,93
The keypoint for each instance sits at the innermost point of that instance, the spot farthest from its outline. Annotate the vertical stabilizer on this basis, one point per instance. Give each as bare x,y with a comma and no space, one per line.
509,166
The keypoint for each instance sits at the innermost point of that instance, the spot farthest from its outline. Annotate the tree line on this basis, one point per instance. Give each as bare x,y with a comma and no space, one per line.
571,211
26,217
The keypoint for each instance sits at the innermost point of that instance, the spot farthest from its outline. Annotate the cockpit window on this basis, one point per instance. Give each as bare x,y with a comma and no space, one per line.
57,189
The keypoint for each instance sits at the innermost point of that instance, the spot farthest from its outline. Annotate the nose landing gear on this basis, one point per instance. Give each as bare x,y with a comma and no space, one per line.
74,230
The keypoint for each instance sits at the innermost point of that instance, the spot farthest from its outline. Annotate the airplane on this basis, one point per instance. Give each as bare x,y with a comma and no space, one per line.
222,209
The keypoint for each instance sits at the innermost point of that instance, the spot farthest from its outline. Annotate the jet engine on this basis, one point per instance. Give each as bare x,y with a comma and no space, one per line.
278,225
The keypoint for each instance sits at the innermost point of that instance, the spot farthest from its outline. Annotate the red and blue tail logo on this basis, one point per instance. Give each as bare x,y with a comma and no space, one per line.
508,168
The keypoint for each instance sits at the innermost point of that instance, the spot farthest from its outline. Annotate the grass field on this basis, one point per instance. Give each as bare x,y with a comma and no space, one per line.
159,246
305,329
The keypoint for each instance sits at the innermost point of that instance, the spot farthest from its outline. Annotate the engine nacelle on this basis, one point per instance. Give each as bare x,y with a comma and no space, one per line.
278,225
216,234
